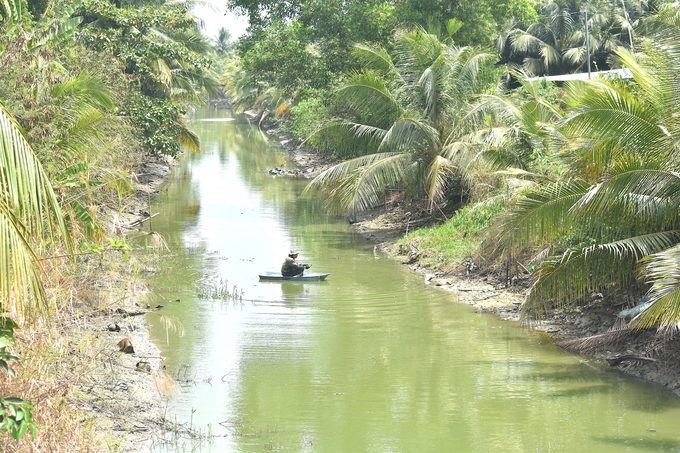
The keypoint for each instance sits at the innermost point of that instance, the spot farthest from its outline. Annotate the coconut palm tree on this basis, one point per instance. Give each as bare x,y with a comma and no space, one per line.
546,45
407,110
518,130
556,43
29,211
223,43
615,212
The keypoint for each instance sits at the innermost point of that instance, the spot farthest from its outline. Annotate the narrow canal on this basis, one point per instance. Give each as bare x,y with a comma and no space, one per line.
371,360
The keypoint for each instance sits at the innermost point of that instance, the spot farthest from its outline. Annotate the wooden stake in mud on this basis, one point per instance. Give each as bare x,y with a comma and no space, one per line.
149,206
507,272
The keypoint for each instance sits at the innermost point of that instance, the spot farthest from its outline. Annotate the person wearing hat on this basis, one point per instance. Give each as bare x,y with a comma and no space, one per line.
291,268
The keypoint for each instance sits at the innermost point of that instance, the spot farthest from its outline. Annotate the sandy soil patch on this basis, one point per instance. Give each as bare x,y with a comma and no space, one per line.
128,395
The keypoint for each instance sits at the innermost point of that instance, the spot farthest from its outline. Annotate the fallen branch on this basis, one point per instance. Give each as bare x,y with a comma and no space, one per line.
629,358
142,220
595,341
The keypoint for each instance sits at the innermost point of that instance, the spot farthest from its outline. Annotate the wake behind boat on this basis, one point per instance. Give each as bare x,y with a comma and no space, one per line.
306,277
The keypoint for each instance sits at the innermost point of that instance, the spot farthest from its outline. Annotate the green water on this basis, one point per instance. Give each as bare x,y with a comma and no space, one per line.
371,360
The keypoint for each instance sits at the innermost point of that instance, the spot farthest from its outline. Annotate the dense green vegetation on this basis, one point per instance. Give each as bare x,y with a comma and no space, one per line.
93,88
584,170
88,91
453,241
431,98
556,42
407,114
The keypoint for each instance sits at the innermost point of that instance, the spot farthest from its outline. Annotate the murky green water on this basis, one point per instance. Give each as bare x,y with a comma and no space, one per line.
371,360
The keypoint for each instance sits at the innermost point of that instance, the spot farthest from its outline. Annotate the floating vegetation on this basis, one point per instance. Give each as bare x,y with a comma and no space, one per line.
195,250
214,289
182,376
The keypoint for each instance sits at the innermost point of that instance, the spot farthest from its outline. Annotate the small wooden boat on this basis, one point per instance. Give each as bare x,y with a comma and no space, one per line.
306,277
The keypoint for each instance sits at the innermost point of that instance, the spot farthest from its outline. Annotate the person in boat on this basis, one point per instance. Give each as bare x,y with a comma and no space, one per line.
291,268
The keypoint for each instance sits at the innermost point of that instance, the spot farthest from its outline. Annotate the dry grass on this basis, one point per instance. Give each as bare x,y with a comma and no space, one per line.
47,375
61,354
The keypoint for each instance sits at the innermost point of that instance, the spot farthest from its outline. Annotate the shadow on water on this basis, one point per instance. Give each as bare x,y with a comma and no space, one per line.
650,405
557,376
585,390
640,444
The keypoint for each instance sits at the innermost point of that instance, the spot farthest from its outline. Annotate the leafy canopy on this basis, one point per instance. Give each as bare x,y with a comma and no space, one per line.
613,216
406,111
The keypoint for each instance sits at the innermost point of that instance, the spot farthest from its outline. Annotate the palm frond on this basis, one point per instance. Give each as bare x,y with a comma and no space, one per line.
30,209
518,173
538,214
86,88
662,271
192,40
463,72
603,110
342,131
56,32
188,139
650,194
563,279
499,158
85,133
566,278
657,81
411,133
19,266
436,180
362,188
524,42
600,341
552,58
368,92
333,176
636,247
534,65
24,182
429,86
374,58
163,72
574,56
417,48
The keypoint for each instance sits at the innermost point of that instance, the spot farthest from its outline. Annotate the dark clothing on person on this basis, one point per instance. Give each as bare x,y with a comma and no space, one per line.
291,268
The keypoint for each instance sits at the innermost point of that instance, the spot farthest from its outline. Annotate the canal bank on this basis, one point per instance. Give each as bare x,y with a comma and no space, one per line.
127,397
591,329
357,364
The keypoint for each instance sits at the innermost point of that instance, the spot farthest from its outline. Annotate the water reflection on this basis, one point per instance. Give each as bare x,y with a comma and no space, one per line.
640,444
369,360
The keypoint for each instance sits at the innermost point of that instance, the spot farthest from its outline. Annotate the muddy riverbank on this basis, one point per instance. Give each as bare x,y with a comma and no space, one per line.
591,329
127,397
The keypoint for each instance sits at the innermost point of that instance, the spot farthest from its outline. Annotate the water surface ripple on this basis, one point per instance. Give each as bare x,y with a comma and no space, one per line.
371,360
